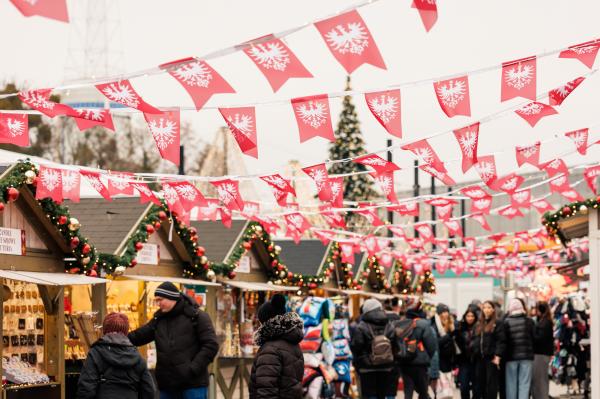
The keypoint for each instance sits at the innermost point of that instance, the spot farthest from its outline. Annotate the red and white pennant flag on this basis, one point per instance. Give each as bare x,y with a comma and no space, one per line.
49,184
519,79
313,117
14,129
281,187
242,124
558,95
122,92
529,154
453,96
580,139
229,194
165,128
386,108
585,52
71,184
321,178
468,139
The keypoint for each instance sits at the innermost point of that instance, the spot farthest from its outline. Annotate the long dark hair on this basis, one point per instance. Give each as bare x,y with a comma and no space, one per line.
487,325
543,311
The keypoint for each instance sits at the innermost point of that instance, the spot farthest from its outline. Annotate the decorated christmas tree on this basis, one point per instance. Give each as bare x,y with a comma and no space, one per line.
349,143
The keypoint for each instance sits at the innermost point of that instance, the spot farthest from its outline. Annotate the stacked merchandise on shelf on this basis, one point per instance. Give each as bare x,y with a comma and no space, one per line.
570,364
326,350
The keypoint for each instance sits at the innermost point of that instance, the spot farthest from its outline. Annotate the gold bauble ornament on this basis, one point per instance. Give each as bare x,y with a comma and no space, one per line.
583,209
86,260
119,270
211,275
30,176
203,259
277,249
258,229
74,224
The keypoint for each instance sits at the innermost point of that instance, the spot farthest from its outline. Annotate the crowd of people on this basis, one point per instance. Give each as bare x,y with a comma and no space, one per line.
487,353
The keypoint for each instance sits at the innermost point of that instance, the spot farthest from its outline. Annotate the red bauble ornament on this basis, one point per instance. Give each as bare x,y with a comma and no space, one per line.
350,273
149,229
1,206
133,263
200,251
290,275
74,242
12,194
232,275
358,287
476,274
206,266
566,210
62,219
162,215
86,249
274,263
312,285
365,274
156,225
194,238
280,267
138,246
93,273
300,283
334,256
247,245
74,270
193,231
271,248
35,181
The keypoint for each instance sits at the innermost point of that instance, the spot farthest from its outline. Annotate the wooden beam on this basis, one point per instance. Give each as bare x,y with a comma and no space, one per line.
99,301
54,333
178,249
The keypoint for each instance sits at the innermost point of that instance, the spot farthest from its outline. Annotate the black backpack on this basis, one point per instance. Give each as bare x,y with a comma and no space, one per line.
407,346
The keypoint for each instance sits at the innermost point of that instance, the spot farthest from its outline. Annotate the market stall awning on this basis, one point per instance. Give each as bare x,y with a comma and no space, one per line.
178,280
57,279
244,285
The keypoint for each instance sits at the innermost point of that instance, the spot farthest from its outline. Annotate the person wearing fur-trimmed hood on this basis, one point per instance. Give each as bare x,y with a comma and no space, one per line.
279,364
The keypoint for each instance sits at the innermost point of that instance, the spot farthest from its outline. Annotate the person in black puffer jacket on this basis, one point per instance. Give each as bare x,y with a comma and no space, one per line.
519,331
376,381
185,343
465,335
487,349
543,348
279,364
114,367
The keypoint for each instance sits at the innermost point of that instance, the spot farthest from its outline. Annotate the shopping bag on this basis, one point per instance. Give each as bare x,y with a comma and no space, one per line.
445,386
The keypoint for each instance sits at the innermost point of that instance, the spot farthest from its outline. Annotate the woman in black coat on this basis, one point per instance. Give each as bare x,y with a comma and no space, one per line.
465,335
543,349
279,364
487,349
114,367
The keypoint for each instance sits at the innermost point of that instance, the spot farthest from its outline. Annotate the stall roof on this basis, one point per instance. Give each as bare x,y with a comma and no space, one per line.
57,279
359,258
258,286
303,258
107,223
217,239
178,280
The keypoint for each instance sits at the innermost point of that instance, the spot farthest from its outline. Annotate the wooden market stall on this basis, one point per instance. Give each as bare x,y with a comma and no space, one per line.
35,246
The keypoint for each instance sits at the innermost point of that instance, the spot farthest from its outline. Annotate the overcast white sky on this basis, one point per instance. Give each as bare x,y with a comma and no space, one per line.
470,34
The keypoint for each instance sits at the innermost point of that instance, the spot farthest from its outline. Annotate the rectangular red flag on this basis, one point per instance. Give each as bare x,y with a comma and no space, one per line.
93,178
122,92
453,96
519,79
165,128
14,129
386,108
242,124
313,117
49,184
71,184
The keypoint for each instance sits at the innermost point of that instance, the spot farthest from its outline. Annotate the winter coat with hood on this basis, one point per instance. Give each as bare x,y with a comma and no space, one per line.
519,330
446,345
278,367
185,345
423,334
543,343
377,321
487,344
465,335
115,369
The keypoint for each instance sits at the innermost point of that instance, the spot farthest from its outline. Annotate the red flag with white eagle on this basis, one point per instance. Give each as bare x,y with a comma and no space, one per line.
572,195
296,221
146,194
172,199
369,243
474,192
242,124
427,11
397,231
425,154
385,259
454,228
533,112
425,232
580,139
486,169
198,78
542,206
71,184
519,79
350,41
226,216
559,184
251,210
529,154
442,264
444,212
321,178
93,178
86,118
40,100
313,117
379,164
509,183
468,139
521,199
281,187
558,95
482,205
52,9
386,108
165,128
326,236
440,201
347,251
210,211
591,174
441,176
385,180
336,185
453,96
14,129
442,243
554,167
122,92
370,214
408,208
49,184
585,52
276,61
480,218
229,193
333,219
118,183
510,212
189,196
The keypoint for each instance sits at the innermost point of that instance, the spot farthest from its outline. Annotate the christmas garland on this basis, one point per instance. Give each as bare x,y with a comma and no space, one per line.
550,219
373,268
402,279
25,174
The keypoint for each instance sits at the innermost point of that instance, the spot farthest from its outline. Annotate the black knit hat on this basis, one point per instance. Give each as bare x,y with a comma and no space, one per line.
441,308
167,290
272,308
